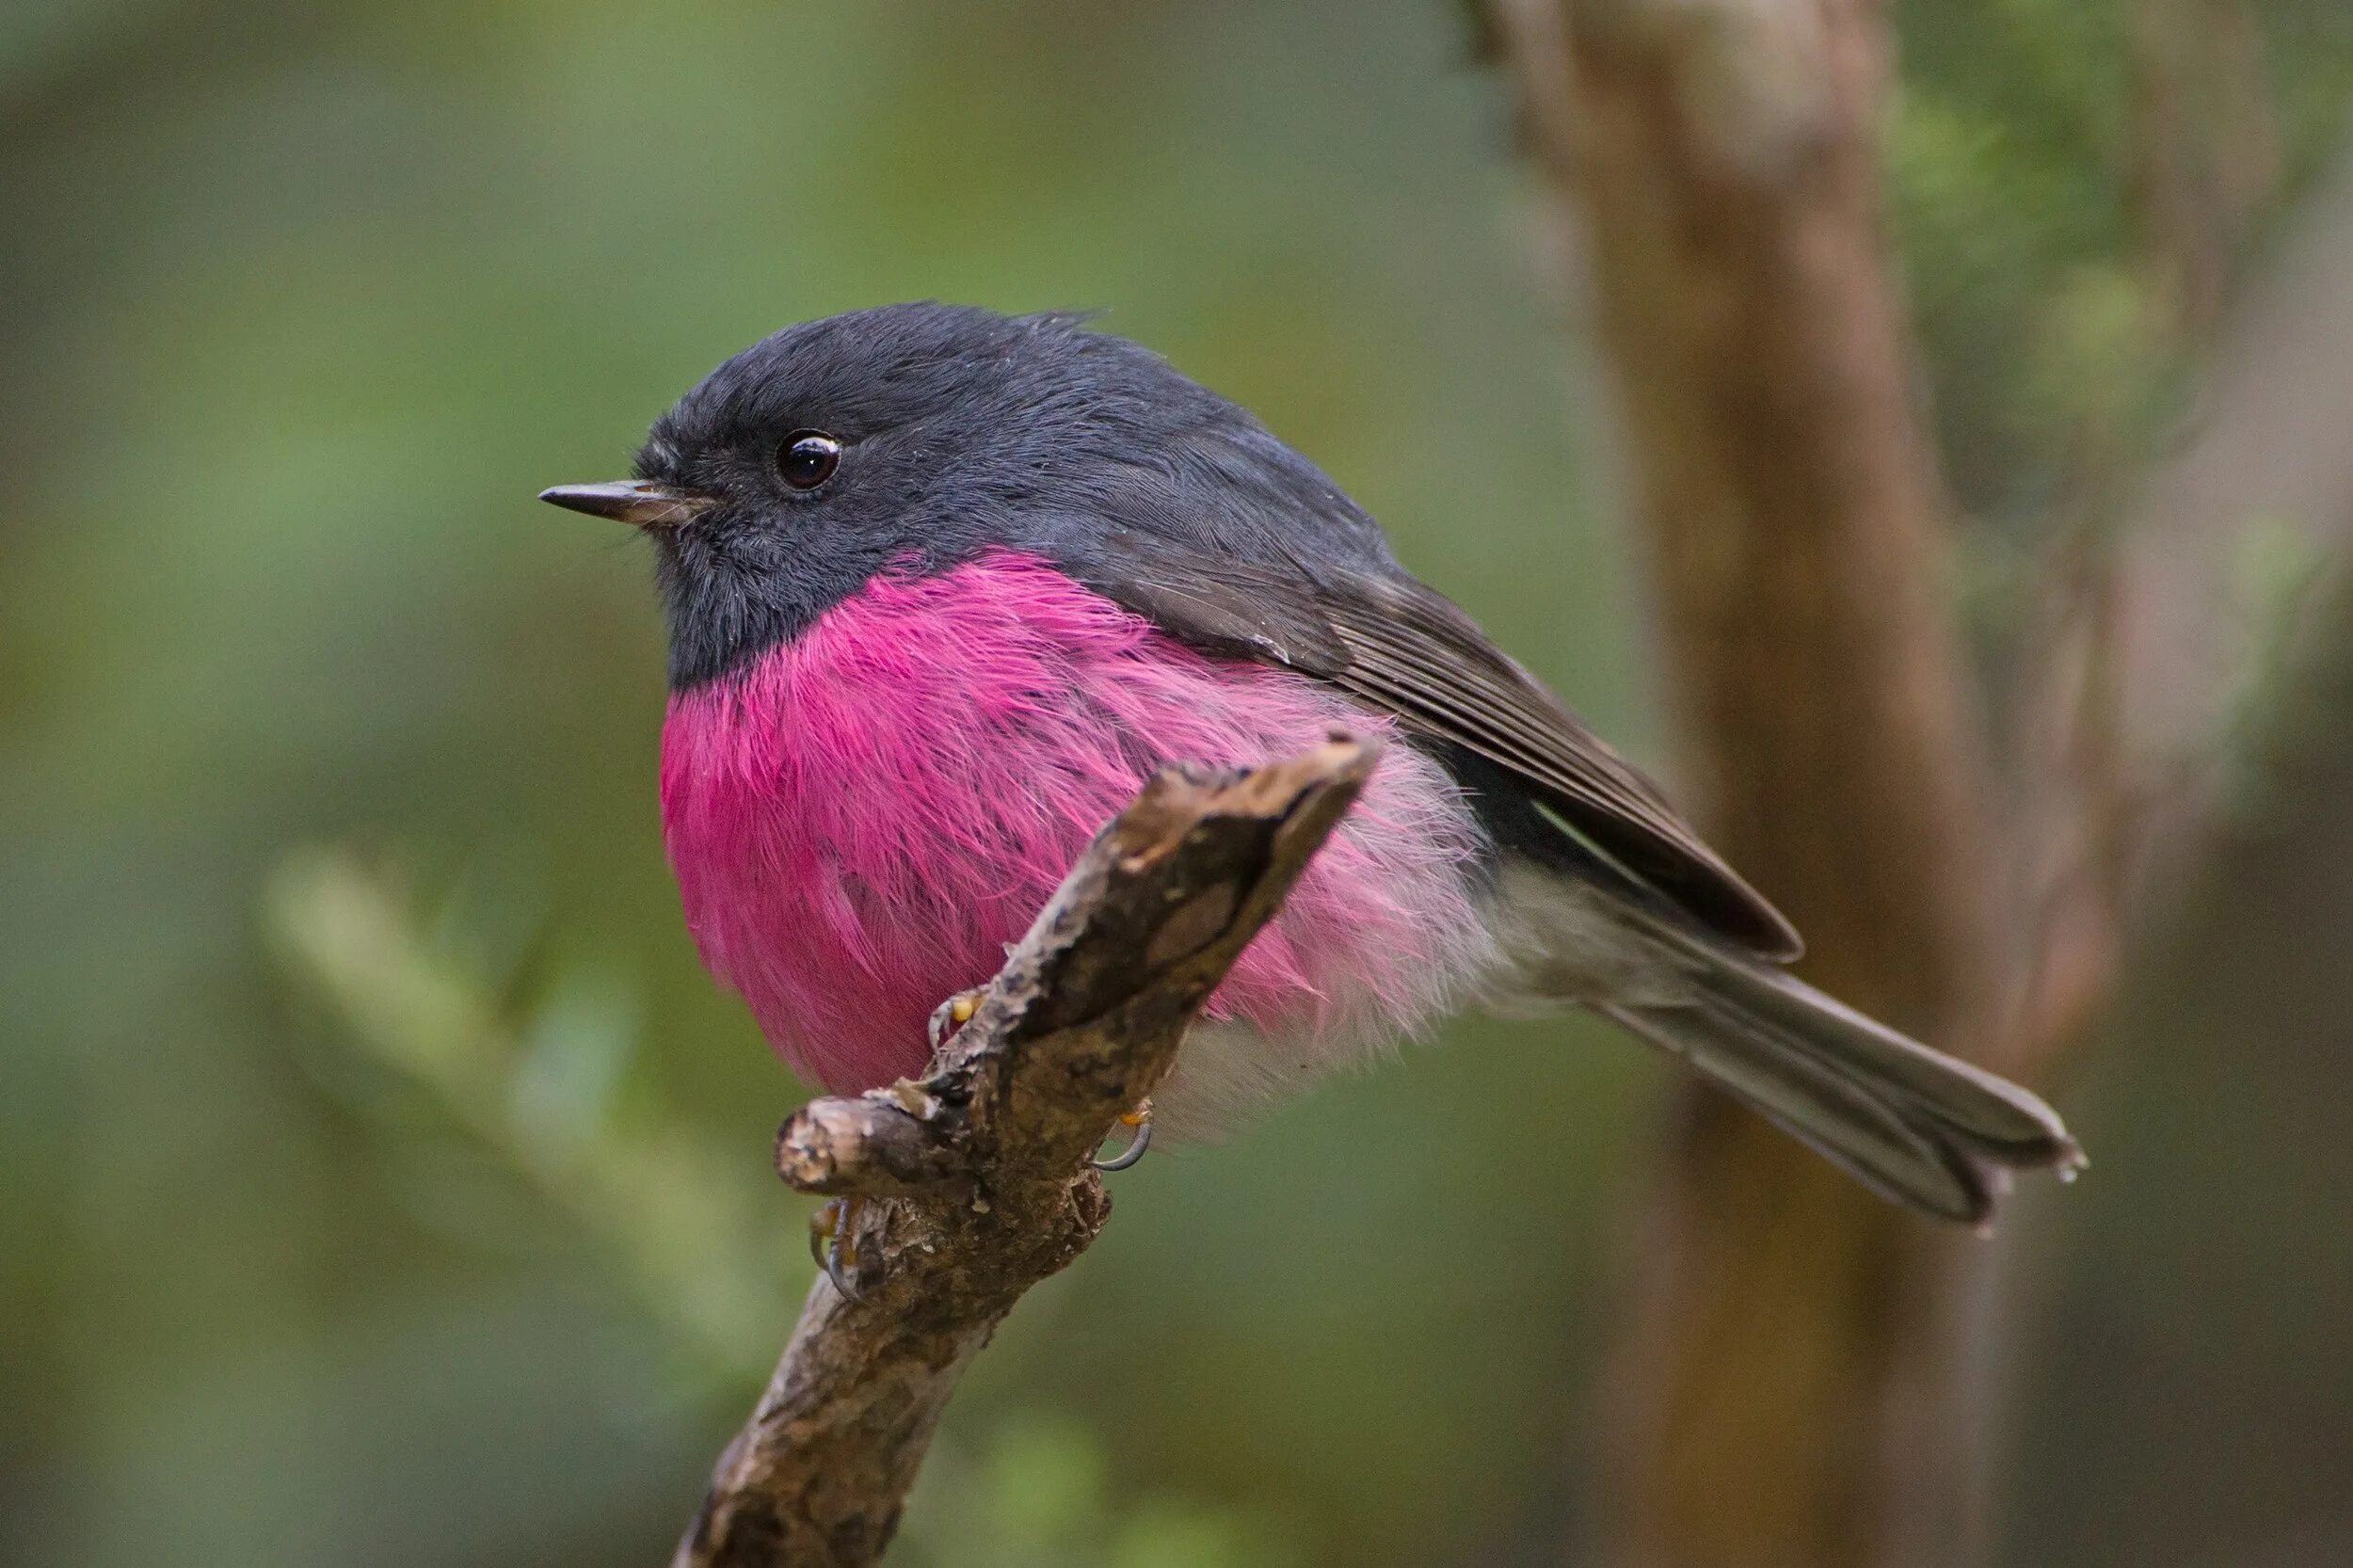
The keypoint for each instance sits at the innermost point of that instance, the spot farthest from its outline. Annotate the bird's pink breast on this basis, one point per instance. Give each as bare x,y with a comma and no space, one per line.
862,819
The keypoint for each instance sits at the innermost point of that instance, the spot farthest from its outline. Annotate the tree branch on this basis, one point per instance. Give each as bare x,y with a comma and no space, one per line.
977,1174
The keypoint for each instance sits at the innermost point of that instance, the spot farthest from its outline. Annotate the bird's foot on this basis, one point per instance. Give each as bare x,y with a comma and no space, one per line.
1140,1120
833,1242
952,1015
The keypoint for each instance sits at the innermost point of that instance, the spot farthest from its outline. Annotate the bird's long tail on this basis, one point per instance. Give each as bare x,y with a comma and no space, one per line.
1913,1124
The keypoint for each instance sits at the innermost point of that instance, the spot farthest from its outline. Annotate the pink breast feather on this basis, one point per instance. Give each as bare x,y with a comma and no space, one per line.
862,819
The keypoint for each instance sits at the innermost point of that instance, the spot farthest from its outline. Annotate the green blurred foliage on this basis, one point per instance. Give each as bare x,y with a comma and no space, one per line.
408,1201
2013,163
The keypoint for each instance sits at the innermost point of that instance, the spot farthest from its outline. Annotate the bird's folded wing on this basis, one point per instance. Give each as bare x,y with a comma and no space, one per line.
1402,647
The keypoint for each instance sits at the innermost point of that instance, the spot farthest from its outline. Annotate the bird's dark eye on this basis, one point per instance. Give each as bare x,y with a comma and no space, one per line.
807,459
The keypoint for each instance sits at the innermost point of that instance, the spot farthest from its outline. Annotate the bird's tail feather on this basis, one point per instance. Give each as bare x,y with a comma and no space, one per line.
1913,1124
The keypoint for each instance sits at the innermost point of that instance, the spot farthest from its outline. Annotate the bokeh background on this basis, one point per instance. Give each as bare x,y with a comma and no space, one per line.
381,1182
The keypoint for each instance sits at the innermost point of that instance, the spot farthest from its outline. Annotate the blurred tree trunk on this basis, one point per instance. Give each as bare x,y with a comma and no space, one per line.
1786,1393
1795,1380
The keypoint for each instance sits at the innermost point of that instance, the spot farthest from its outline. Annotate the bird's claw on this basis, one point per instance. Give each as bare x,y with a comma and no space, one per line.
952,1015
1139,1119
833,1242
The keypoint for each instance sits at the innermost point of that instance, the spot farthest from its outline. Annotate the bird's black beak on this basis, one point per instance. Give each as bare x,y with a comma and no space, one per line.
640,502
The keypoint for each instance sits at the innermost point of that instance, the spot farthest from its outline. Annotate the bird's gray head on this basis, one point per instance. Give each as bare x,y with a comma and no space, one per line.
915,437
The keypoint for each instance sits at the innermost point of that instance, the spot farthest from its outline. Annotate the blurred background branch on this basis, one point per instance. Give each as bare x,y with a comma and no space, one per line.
540,1093
1788,1358
1796,1383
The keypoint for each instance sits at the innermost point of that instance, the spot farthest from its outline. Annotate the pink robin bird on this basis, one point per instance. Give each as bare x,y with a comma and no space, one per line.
944,587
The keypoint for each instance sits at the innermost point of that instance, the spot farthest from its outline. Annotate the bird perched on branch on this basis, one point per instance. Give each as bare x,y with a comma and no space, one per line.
944,587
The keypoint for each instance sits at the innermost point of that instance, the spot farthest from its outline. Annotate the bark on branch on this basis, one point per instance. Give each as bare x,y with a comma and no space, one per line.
977,1175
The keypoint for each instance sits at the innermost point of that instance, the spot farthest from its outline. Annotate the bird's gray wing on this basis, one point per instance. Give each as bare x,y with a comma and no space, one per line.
1400,646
